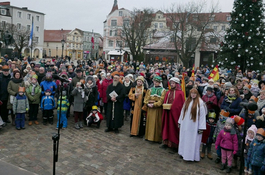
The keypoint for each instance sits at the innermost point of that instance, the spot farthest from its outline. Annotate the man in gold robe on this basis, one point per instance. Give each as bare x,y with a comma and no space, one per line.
138,117
154,99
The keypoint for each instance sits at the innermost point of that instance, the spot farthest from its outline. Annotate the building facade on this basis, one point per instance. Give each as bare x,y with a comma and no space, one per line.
22,18
113,46
74,44
91,47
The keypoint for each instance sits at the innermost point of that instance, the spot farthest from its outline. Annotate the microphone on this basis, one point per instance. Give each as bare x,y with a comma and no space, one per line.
57,77
250,106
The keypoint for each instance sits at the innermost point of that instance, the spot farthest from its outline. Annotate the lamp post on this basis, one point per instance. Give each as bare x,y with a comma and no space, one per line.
120,52
63,42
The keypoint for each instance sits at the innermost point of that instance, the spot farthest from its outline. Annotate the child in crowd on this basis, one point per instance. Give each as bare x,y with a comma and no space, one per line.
94,117
207,136
227,140
33,92
79,101
251,134
256,153
62,104
47,106
219,126
20,107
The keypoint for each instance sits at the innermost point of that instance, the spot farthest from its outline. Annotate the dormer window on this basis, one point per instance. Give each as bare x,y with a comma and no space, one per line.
3,11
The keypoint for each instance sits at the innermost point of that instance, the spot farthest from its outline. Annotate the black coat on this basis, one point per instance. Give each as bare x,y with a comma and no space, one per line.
4,80
117,121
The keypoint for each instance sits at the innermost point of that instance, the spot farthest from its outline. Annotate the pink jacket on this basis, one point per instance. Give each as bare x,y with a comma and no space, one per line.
227,141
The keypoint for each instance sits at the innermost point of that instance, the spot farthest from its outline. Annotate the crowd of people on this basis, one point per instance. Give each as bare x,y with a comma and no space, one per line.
150,98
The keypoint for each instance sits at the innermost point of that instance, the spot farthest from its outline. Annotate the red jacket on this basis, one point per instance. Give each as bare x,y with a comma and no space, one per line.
98,85
211,102
103,89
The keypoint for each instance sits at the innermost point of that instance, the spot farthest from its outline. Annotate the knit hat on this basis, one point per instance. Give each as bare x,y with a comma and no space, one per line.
209,88
261,132
238,120
246,87
176,80
48,90
230,121
35,77
254,129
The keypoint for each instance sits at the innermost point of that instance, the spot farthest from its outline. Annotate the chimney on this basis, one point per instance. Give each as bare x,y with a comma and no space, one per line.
25,8
5,3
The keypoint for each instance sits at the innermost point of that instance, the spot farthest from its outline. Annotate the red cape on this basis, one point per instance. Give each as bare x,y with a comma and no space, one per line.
170,130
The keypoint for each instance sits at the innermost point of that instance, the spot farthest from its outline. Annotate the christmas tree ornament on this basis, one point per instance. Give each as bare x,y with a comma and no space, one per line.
246,50
260,52
249,38
260,63
251,58
242,25
239,55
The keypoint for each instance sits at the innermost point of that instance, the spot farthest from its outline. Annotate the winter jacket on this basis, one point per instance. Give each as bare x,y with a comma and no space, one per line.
103,90
65,105
20,104
47,103
76,80
256,153
260,122
34,99
207,135
211,102
234,107
219,126
48,85
78,100
91,93
251,120
227,141
4,80
12,89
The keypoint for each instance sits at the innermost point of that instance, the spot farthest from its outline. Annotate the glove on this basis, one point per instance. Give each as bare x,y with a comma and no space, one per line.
27,110
234,152
200,131
262,168
216,147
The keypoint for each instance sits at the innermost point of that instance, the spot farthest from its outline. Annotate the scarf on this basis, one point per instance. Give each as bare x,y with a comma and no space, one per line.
89,85
260,103
33,89
231,98
81,90
209,96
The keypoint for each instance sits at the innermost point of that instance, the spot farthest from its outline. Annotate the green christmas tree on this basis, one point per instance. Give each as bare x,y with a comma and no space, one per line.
244,42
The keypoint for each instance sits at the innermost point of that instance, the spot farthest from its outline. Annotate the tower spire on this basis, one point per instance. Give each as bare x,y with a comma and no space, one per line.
115,6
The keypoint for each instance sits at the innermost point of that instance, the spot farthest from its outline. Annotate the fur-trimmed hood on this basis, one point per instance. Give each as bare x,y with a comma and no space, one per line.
89,77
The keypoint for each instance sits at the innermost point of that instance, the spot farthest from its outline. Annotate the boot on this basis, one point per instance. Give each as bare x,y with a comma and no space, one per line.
218,160
77,125
202,155
44,121
249,172
222,167
80,124
209,156
228,170
98,125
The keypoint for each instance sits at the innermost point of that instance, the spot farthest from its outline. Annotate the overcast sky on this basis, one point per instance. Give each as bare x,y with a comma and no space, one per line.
90,14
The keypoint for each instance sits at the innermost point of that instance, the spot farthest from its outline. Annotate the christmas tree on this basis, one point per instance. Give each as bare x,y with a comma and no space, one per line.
244,42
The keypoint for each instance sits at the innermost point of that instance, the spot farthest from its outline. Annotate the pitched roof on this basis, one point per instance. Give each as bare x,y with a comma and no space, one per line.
115,7
55,35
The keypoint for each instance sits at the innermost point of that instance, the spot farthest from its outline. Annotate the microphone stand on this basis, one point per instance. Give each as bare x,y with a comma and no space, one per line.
242,161
56,137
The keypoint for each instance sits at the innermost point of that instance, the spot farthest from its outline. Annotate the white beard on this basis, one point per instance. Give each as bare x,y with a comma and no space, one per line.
115,83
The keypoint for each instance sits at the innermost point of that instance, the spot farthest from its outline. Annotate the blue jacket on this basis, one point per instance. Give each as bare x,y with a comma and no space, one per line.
47,103
234,107
256,153
48,85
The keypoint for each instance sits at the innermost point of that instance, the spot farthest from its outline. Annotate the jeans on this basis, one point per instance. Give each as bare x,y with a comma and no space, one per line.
20,120
248,166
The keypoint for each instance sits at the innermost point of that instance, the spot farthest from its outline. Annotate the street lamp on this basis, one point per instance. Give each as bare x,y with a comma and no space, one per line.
120,51
63,42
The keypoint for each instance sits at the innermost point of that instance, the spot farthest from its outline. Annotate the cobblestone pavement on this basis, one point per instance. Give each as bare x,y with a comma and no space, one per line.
92,151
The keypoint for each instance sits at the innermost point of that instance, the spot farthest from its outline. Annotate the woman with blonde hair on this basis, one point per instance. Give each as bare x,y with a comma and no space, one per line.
192,122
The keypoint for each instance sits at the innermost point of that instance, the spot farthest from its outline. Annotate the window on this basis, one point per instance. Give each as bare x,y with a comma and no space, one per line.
47,44
3,23
213,40
172,39
38,18
19,14
3,11
212,18
126,44
37,39
37,28
18,26
120,13
29,16
156,25
160,25
118,43
73,38
199,28
195,17
28,27
126,22
215,28
110,33
77,39
190,43
158,16
223,27
110,43
113,22
228,18
115,33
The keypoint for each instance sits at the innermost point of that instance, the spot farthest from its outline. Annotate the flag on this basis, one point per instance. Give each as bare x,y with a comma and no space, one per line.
183,85
214,74
31,34
192,72
92,40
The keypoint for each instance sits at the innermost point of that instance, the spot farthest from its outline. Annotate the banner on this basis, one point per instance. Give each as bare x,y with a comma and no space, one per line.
214,74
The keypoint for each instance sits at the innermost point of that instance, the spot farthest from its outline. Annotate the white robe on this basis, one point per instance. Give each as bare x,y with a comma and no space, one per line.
189,139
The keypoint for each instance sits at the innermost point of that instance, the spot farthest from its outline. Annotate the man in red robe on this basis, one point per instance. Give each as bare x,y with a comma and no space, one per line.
170,117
